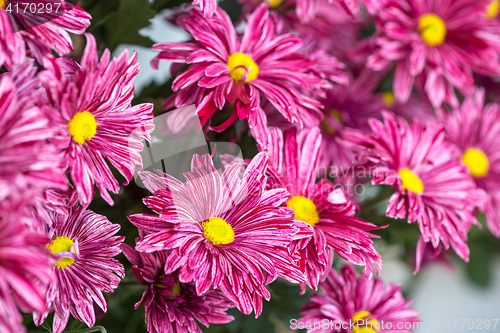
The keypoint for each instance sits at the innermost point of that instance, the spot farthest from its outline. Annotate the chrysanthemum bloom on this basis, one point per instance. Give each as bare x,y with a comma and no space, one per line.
347,106
433,188
36,33
366,304
28,164
307,10
293,159
25,270
475,128
97,123
224,69
84,244
172,306
439,43
224,229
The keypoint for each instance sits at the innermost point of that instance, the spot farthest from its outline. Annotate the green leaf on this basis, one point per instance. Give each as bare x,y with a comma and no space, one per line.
123,25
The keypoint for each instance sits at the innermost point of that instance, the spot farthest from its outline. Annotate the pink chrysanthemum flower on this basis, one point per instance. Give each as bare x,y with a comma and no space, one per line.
84,244
224,229
28,164
25,270
293,159
172,306
352,304
97,123
352,7
224,69
36,33
475,128
439,43
432,187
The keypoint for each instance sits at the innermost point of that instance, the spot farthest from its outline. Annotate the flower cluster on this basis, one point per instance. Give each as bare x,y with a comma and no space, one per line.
323,97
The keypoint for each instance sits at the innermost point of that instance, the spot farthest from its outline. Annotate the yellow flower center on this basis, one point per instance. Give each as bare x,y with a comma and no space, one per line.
388,99
363,325
82,127
218,231
62,244
274,3
477,162
2,3
242,67
411,181
305,210
432,28
492,9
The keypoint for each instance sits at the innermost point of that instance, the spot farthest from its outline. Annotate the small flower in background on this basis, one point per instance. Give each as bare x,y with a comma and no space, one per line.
91,108
224,230
307,11
293,159
368,304
224,69
28,164
475,128
25,270
432,187
36,33
172,306
438,44
84,244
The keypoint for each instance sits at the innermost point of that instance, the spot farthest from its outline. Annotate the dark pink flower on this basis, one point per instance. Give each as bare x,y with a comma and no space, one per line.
226,70
366,304
293,158
438,43
208,7
36,33
97,124
433,188
224,230
348,106
475,128
84,244
172,306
